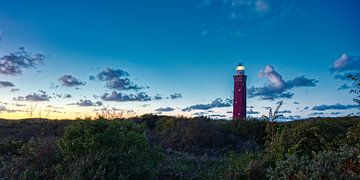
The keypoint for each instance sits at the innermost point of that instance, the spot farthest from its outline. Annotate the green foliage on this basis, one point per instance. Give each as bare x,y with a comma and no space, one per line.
327,164
192,148
245,165
196,135
179,165
35,159
107,149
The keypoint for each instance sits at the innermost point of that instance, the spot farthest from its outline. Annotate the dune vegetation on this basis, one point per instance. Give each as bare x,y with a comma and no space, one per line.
163,147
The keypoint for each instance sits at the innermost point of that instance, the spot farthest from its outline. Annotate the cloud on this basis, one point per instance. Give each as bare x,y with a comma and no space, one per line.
296,102
252,112
284,112
346,63
87,103
158,97
316,114
92,78
4,109
337,106
175,96
14,89
199,114
67,96
120,97
70,81
345,66
277,87
217,116
117,79
6,84
246,8
33,97
217,103
166,109
15,63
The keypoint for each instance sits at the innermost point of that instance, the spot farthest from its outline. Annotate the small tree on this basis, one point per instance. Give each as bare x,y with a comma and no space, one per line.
356,89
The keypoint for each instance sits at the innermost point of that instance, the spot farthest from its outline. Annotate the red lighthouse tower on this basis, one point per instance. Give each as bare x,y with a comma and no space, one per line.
239,103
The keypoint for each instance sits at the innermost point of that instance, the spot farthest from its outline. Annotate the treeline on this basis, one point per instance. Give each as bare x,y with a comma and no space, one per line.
161,147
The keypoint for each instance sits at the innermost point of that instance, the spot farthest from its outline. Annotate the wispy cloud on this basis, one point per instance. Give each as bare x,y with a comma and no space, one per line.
14,63
337,106
217,103
70,81
117,79
166,109
344,66
87,103
120,97
35,97
6,84
175,96
277,87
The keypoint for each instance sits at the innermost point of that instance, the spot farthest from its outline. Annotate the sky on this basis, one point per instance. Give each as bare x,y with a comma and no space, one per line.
73,59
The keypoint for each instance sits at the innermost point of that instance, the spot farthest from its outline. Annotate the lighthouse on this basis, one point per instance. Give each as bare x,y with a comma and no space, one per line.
239,103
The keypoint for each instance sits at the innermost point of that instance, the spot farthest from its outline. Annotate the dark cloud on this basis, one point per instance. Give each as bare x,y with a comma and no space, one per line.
6,84
345,64
316,114
296,102
92,78
14,89
87,103
5,109
291,117
166,109
120,97
158,97
277,87
337,106
199,114
117,79
19,105
15,63
252,112
284,112
67,96
33,97
217,103
217,116
70,81
175,96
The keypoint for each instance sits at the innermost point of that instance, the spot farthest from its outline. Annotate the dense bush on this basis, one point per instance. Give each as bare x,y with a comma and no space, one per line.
107,149
161,147
36,159
327,164
196,135
177,165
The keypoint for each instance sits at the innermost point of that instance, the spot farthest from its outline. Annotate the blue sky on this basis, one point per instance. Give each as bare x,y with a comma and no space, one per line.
187,47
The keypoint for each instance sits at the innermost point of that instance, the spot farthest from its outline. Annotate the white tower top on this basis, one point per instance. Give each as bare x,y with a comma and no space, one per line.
240,69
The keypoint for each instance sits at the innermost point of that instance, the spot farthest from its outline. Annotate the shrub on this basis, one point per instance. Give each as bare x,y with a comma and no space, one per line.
35,159
326,164
107,149
179,165
245,165
196,135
